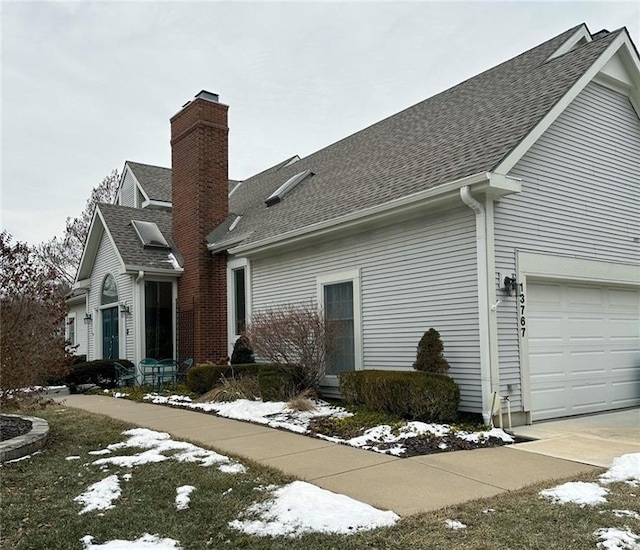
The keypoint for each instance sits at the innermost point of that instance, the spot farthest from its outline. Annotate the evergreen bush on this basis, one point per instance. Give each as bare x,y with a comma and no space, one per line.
203,378
100,372
412,395
242,352
430,356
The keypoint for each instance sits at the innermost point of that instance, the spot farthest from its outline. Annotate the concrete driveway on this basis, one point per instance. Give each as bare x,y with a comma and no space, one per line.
594,439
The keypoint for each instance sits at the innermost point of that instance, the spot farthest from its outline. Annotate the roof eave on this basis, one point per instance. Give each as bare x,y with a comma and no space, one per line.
131,269
482,182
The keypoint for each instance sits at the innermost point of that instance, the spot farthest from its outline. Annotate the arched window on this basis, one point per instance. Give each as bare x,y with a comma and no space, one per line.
109,291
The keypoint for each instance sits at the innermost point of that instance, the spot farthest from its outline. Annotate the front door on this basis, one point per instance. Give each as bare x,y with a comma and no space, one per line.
110,346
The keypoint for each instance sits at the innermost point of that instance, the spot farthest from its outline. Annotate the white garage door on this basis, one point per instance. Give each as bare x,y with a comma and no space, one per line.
584,348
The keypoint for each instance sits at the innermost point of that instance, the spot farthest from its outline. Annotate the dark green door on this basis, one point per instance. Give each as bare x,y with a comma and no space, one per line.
110,346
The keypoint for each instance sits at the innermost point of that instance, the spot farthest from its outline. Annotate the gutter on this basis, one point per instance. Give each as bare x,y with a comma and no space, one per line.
490,183
483,300
409,202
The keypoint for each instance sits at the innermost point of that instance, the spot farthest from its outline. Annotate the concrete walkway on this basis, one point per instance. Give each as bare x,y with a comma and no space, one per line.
594,439
404,485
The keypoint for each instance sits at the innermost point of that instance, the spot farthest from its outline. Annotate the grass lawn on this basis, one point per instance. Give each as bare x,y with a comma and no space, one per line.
38,510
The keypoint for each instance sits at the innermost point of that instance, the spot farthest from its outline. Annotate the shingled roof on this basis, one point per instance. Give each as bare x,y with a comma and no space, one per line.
133,253
155,180
465,130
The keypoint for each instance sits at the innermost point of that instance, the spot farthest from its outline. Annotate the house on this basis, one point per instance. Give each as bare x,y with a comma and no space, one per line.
505,212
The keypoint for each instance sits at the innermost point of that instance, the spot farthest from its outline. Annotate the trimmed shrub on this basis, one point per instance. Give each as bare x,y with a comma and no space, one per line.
203,378
430,355
100,372
242,353
411,395
275,384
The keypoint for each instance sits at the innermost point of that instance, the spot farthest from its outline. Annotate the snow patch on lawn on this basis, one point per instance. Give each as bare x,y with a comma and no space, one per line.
145,542
183,496
625,468
100,495
454,524
300,508
159,443
576,492
617,539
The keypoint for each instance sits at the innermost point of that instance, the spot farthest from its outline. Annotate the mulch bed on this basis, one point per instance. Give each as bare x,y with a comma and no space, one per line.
11,427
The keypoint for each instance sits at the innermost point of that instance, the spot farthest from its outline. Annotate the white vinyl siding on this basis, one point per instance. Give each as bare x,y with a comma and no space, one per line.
414,275
580,198
128,190
78,311
107,262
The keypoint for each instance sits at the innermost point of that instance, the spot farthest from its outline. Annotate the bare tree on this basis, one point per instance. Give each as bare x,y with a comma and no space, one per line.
296,334
32,342
64,254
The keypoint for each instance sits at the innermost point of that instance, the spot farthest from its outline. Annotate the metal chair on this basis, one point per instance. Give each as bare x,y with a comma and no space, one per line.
166,370
147,371
124,375
181,373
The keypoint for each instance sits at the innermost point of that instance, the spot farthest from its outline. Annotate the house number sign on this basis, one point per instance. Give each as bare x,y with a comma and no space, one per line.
521,306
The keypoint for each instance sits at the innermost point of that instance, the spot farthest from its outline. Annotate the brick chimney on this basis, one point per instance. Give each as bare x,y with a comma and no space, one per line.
199,192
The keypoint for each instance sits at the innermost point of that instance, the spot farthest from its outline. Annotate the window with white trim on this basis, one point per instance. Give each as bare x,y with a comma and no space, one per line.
71,330
339,295
238,297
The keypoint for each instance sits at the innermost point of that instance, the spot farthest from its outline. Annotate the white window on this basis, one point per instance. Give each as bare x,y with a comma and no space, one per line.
238,297
71,330
339,295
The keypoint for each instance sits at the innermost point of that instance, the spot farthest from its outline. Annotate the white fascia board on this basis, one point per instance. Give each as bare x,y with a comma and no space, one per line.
135,269
219,247
137,187
77,299
90,249
156,204
581,34
84,284
520,150
410,202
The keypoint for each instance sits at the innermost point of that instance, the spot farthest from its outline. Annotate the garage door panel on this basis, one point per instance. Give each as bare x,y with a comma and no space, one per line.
624,300
587,363
624,393
582,297
584,348
586,397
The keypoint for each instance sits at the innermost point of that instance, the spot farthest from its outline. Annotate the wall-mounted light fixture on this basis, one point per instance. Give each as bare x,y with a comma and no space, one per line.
87,318
510,285
124,308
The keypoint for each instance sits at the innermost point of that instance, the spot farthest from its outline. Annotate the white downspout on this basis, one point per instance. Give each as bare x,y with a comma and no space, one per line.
483,300
138,318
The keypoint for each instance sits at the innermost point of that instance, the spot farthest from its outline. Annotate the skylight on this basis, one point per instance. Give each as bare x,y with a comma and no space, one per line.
287,186
149,234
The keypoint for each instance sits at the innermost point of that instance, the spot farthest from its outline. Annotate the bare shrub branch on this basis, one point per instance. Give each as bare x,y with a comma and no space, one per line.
296,334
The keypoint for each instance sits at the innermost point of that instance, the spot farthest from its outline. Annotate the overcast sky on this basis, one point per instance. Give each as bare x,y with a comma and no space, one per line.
86,86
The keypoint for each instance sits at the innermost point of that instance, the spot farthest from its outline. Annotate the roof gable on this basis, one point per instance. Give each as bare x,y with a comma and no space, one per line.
154,180
135,256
